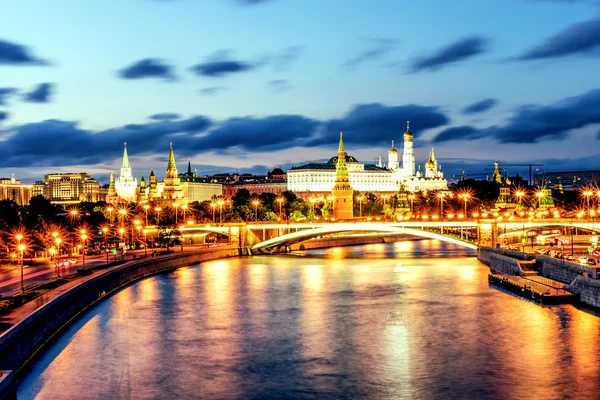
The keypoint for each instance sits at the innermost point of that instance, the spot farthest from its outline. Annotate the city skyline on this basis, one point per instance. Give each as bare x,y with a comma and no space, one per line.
274,85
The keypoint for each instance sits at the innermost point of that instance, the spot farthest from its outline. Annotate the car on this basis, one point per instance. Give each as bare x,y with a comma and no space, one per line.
582,260
569,257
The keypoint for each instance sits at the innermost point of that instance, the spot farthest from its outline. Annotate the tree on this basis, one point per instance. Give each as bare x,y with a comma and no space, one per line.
270,216
326,209
297,216
241,197
168,236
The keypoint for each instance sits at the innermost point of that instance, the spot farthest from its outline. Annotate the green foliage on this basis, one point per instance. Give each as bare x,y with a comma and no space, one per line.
270,216
326,210
168,236
297,216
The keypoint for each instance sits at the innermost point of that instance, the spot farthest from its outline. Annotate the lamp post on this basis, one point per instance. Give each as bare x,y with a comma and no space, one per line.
255,203
411,197
105,232
146,207
539,195
139,229
280,201
176,205
121,231
158,210
384,197
360,200
519,194
213,206
465,197
145,242
220,204
83,239
184,207
587,193
21,249
58,240
440,196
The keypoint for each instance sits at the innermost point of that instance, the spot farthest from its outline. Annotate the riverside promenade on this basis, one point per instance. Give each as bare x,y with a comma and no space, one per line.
27,329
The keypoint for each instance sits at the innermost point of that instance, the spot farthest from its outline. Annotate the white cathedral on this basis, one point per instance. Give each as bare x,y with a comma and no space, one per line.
126,184
320,177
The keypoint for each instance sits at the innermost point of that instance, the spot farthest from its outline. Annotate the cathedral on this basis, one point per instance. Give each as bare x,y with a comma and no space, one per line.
415,181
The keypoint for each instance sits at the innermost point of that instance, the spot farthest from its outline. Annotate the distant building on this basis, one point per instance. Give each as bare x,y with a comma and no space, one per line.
570,180
70,188
13,189
274,182
126,184
342,192
172,184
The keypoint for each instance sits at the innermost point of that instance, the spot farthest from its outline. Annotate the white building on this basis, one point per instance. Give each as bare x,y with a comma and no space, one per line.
320,177
126,184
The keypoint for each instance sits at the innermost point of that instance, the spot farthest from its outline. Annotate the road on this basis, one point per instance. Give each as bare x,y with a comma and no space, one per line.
40,272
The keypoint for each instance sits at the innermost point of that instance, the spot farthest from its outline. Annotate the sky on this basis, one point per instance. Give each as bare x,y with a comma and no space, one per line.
250,85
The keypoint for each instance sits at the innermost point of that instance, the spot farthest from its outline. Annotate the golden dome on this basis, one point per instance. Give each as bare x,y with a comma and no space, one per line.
408,136
393,150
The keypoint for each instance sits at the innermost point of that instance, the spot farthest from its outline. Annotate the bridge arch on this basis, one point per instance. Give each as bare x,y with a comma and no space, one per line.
299,236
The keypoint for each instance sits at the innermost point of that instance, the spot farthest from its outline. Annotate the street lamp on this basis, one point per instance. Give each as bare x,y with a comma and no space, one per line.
146,207
213,206
158,210
220,204
139,228
255,203
465,197
21,249
441,196
121,231
539,195
360,200
176,205
145,242
104,232
587,194
519,195
411,197
280,201
184,207
83,239
384,197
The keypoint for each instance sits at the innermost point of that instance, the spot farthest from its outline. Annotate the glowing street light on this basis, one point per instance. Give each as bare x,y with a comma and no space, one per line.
145,231
360,200
146,207
220,204
411,197
83,239
465,197
184,207
539,195
213,205
255,203
280,201
21,248
105,234
158,210
176,206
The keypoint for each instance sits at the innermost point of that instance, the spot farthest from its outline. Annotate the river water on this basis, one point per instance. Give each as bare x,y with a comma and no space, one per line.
407,320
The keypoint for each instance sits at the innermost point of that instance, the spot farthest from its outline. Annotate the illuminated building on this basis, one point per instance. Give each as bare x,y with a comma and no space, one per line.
13,189
343,206
172,184
126,184
196,188
70,188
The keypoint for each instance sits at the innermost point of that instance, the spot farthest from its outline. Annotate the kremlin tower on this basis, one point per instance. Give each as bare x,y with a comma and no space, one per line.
126,184
342,192
172,185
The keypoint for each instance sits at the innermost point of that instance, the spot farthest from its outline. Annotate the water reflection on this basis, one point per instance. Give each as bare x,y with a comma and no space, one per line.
336,323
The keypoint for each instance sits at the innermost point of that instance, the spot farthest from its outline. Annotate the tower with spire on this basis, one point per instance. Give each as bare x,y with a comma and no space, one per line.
172,184
343,206
126,184
408,158
111,195
393,162
152,186
431,166
142,192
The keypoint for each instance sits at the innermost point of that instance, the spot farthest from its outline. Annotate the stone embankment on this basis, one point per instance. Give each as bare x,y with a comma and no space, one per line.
350,241
37,322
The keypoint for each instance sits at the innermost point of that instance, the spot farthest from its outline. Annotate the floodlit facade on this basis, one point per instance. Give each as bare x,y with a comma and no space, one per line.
126,184
70,188
13,189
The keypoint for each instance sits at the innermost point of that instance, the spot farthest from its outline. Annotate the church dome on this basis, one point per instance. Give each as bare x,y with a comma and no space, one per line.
408,136
393,150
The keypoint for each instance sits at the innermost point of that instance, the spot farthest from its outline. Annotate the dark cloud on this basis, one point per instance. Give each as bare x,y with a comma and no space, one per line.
579,38
212,90
16,54
376,50
3,115
274,132
221,64
374,124
458,133
58,143
458,51
41,94
164,116
280,85
531,124
480,106
5,93
148,68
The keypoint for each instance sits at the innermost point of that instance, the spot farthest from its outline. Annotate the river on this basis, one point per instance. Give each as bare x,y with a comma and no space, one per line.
406,320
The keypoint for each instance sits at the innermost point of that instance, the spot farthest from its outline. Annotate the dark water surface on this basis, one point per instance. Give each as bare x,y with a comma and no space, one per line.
367,322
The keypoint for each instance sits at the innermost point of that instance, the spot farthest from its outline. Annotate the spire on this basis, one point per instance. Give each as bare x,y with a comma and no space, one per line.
392,143
125,158
171,167
111,183
189,172
341,147
151,172
407,126
432,155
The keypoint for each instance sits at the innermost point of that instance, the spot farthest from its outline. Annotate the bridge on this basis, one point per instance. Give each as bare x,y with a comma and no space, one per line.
470,233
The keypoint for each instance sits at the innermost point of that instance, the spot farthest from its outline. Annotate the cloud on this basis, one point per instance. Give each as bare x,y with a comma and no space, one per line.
148,68
5,93
220,64
284,59
16,54
373,124
531,124
457,51
164,116
212,90
376,50
41,94
480,106
280,85
273,132
3,115
580,38
58,143
458,133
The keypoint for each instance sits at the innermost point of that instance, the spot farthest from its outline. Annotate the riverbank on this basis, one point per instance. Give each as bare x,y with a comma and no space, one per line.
34,324
321,243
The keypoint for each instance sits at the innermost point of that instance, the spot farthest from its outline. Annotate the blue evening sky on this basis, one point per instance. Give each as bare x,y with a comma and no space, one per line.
258,84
